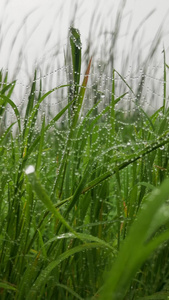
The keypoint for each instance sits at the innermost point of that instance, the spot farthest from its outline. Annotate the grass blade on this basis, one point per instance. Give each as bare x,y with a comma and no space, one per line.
43,196
76,46
135,249
4,100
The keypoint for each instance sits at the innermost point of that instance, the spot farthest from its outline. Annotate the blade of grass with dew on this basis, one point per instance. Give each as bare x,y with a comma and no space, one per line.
43,196
4,99
92,109
32,116
79,103
86,119
112,114
125,82
2,138
90,125
147,117
9,87
104,111
108,174
81,96
84,237
42,245
136,248
123,165
73,200
80,188
51,123
29,107
118,205
38,160
76,47
162,125
44,275
36,107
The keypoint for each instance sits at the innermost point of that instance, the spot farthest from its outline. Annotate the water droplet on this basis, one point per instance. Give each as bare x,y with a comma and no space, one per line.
30,169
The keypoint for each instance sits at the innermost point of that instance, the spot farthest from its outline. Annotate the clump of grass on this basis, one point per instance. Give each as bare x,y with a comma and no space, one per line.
83,207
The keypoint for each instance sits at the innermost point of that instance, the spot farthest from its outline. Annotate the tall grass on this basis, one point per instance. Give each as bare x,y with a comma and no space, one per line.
84,205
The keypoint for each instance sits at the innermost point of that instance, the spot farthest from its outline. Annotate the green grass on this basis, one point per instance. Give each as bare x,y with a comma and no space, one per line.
83,207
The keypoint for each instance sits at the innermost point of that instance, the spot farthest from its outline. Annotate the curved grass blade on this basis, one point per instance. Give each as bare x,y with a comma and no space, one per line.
84,237
9,87
33,116
137,247
7,286
43,196
6,132
44,275
123,165
70,291
36,107
125,83
51,123
4,100
147,117
153,146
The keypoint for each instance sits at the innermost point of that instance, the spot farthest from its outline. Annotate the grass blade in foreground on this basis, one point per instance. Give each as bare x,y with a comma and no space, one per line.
43,196
137,247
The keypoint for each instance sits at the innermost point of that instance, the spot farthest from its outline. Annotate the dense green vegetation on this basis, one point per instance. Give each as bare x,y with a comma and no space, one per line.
84,205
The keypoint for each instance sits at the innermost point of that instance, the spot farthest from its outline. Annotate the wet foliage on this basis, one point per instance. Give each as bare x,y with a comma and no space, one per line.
83,190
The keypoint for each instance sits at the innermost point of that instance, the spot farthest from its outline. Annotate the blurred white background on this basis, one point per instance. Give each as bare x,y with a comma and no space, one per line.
36,30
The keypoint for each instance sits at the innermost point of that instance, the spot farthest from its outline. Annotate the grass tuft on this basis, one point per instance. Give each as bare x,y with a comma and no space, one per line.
84,202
